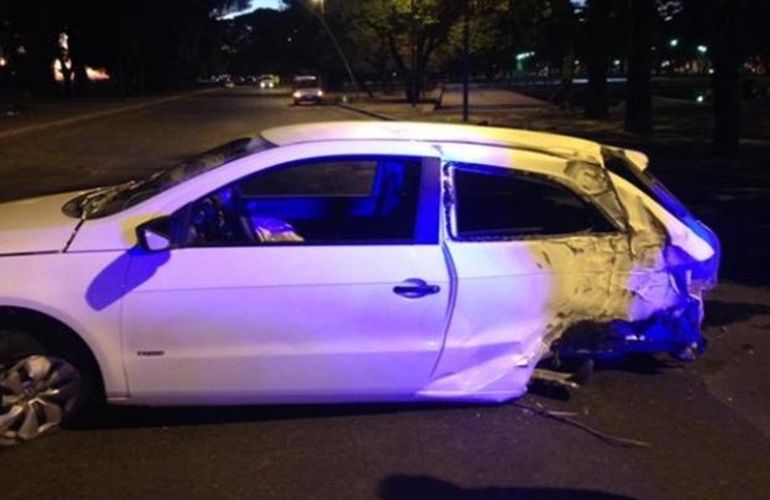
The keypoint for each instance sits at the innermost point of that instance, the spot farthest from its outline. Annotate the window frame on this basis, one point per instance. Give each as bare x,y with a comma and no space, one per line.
451,203
426,229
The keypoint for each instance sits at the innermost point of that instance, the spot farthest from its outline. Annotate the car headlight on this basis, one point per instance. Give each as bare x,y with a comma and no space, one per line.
320,93
297,95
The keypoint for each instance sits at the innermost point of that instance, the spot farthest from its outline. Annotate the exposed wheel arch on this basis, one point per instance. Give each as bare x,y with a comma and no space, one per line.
49,333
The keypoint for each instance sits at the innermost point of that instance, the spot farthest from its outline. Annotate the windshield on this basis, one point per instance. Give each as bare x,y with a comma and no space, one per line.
107,200
306,83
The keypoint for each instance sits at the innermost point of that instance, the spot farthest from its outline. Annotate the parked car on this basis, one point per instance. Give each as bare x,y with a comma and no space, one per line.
344,261
307,88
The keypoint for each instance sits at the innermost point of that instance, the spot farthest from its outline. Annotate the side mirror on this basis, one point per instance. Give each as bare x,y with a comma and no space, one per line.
155,235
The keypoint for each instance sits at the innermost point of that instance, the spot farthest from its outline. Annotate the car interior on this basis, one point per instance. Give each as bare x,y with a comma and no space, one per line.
378,204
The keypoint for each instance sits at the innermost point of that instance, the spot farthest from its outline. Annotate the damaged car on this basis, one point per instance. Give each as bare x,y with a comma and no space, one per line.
344,262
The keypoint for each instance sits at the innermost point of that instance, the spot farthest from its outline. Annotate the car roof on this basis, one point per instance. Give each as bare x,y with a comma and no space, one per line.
553,144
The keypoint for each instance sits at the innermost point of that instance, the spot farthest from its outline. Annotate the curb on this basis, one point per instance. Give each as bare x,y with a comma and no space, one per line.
363,111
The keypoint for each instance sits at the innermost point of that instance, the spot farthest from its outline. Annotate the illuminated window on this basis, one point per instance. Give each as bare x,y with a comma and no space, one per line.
341,200
499,204
334,177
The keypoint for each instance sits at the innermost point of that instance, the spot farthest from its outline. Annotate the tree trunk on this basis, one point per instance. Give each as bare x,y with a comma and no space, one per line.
596,105
726,79
567,75
638,89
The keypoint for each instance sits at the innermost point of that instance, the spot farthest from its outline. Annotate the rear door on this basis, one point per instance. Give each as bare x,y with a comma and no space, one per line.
530,254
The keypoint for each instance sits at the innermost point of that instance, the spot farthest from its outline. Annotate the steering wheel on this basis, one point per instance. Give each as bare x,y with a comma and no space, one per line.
208,220
218,218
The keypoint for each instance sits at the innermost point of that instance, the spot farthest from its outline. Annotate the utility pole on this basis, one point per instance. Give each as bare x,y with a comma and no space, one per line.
466,63
322,18
413,29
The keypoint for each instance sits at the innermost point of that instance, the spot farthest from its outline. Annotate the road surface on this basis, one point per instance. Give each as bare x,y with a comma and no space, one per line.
689,441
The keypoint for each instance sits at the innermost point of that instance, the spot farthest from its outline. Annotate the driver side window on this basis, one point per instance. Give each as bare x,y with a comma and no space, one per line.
323,201
214,220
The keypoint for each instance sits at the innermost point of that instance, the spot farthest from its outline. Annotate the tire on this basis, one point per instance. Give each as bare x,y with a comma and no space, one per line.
40,390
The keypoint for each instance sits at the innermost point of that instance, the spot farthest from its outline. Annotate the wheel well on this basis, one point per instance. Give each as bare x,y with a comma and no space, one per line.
53,335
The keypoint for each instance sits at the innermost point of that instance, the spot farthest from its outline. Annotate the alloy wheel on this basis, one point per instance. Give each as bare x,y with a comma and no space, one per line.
36,394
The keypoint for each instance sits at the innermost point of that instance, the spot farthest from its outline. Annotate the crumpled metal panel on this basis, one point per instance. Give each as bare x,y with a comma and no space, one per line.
516,299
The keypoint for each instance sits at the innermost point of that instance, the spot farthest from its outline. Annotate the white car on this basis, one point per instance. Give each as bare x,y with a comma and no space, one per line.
307,88
344,261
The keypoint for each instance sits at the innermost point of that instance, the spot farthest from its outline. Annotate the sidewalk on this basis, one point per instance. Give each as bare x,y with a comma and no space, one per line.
675,119
682,128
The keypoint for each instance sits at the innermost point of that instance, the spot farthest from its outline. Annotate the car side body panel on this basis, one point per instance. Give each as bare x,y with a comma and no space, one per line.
517,297
284,323
226,325
76,289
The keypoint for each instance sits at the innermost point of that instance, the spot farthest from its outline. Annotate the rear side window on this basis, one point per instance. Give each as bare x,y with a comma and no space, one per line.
619,165
499,204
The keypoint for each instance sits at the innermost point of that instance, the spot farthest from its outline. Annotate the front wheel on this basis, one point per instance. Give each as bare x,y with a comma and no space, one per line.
38,393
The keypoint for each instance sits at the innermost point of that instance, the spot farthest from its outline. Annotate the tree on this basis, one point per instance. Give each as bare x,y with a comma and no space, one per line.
411,31
144,44
557,44
32,37
271,41
597,55
724,22
638,117
726,57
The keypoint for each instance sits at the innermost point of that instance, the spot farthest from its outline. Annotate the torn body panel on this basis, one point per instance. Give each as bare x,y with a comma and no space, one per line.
503,322
584,296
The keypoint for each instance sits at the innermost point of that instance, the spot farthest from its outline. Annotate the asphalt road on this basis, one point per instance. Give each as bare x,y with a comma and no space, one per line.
689,441
140,140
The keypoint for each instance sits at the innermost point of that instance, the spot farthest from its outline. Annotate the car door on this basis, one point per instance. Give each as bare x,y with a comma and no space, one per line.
529,255
318,280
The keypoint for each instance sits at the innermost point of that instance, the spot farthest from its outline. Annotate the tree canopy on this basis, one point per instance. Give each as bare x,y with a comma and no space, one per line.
146,45
149,46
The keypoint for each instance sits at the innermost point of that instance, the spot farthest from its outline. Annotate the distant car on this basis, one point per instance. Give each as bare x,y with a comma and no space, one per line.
344,261
267,81
307,89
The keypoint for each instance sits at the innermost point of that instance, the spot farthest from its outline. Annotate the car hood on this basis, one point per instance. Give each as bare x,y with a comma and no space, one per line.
36,224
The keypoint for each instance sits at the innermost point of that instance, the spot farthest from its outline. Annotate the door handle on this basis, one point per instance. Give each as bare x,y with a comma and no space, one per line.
414,288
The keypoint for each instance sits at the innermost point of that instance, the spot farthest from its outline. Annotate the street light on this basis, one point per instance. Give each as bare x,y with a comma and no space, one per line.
520,58
322,18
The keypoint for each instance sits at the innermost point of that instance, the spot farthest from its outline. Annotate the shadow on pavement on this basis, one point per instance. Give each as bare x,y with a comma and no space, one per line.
726,313
402,487
127,417
130,417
